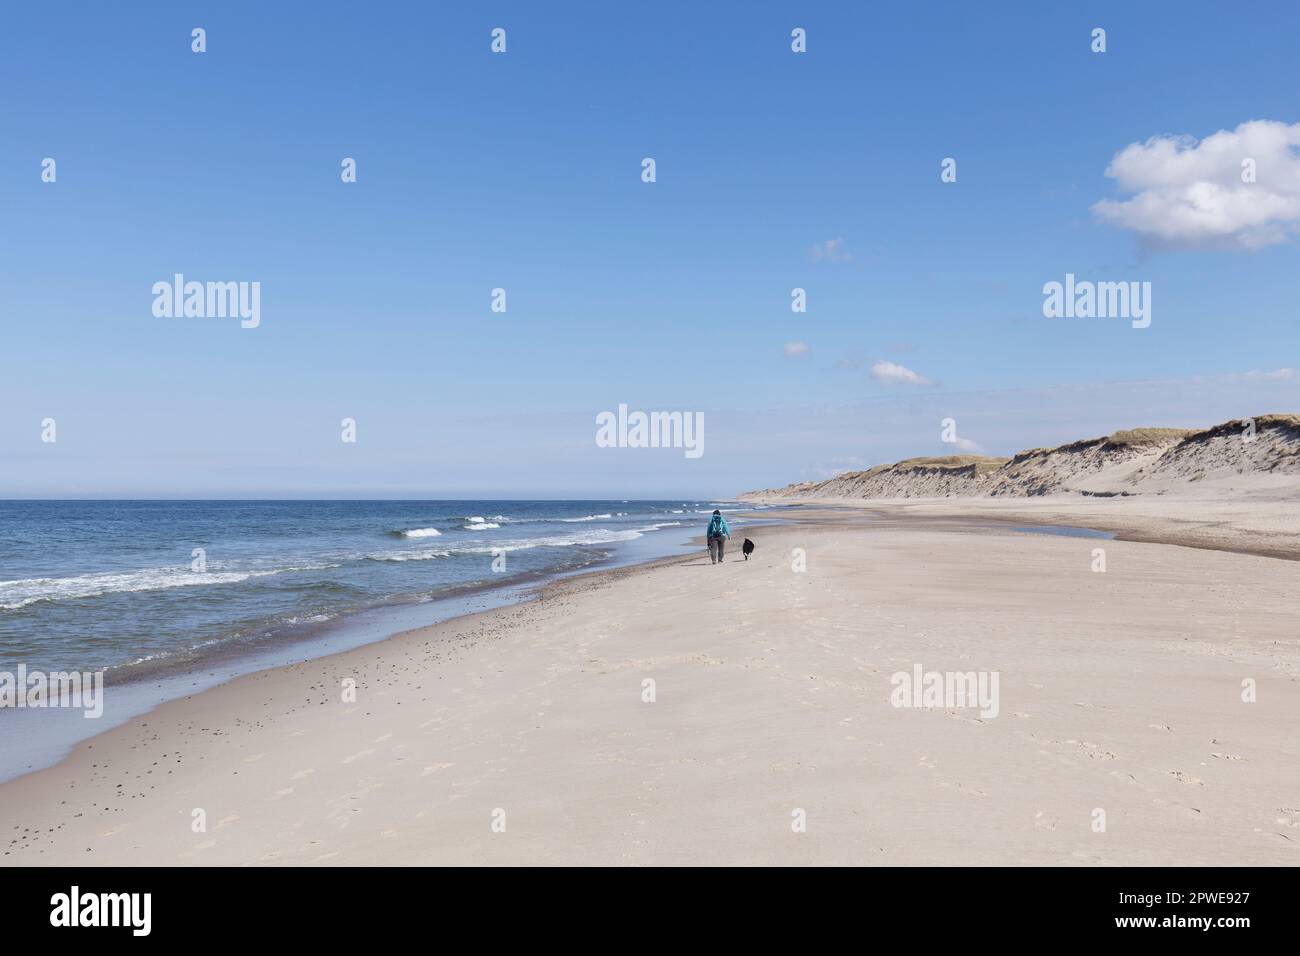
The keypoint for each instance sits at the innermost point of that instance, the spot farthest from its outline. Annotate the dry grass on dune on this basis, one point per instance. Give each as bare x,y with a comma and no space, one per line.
981,463
1149,436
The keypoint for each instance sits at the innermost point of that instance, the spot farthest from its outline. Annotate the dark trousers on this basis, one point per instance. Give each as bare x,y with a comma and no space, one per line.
717,545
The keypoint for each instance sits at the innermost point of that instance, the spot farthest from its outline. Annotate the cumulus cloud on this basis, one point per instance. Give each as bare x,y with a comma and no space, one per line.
794,349
888,373
832,250
1190,193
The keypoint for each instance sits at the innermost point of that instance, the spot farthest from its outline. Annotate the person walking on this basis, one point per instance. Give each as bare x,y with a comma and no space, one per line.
717,536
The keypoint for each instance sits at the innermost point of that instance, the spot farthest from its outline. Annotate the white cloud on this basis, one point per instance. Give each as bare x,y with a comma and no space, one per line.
832,250
887,373
1189,193
838,466
851,359
968,446
795,349
1277,375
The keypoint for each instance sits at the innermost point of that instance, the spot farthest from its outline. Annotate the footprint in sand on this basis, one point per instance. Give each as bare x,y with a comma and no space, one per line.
1184,777
1093,750
358,755
303,774
434,768
254,758
226,821
281,793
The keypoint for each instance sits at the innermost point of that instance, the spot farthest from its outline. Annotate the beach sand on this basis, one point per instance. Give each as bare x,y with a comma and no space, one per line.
1118,691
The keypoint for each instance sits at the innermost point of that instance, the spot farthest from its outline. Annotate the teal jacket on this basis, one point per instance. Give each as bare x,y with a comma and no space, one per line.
718,525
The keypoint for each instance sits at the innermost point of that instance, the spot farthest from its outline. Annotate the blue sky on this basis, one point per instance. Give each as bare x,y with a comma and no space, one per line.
522,171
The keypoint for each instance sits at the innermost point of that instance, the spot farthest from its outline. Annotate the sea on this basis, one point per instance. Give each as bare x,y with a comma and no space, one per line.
169,597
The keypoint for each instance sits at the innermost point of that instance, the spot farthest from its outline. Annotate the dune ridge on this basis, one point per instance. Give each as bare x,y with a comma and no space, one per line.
1130,462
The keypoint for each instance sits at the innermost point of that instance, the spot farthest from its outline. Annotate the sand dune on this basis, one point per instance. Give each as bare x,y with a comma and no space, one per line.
1133,462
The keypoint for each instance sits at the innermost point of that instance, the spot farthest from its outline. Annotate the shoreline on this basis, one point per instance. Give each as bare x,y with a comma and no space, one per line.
48,735
551,587
762,677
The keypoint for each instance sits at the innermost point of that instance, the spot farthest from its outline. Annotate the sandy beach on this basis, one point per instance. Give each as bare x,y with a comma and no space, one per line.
527,734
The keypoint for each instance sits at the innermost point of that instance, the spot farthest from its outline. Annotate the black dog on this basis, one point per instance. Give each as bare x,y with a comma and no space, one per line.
747,548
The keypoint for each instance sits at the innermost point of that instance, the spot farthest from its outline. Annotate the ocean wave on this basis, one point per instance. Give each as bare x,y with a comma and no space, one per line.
481,525
590,536
407,555
594,536
554,519
237,637
19,594
420,533
308,619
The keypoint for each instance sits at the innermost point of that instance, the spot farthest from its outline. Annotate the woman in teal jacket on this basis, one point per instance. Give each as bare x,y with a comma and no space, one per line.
717,534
